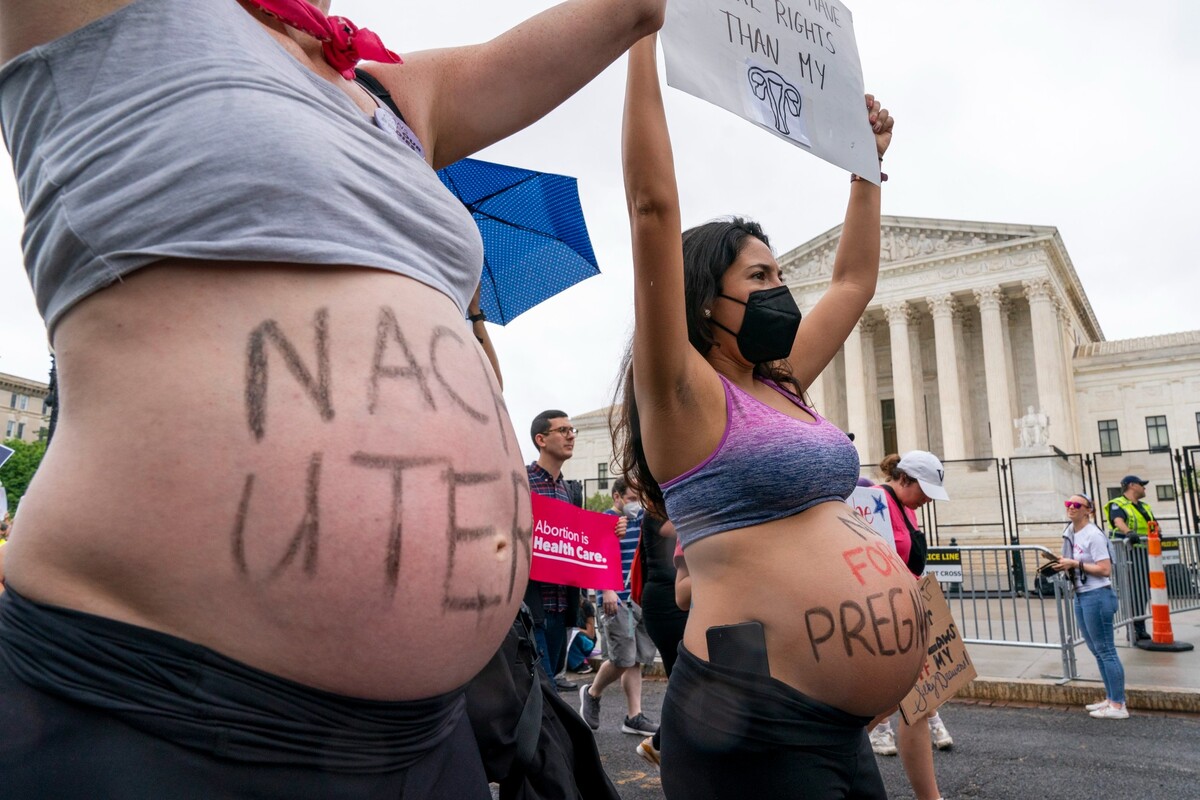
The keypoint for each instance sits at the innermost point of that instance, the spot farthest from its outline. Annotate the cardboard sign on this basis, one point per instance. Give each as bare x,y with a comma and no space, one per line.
872,505
574,547
944,564
789,66
948,667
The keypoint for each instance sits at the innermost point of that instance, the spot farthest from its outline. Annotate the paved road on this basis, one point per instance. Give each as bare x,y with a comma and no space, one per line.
1007,753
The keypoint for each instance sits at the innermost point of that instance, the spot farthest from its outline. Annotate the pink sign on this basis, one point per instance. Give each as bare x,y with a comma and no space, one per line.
574,547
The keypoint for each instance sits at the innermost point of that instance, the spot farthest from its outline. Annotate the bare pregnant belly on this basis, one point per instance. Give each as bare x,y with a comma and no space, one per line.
843,618
307,469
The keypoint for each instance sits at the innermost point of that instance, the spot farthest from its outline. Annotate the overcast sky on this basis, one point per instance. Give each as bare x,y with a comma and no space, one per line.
1081,115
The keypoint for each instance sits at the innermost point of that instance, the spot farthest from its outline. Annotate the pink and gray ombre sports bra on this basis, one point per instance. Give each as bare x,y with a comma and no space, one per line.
767,466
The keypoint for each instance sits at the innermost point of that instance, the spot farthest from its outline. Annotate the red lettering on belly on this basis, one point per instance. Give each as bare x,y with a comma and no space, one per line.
876,554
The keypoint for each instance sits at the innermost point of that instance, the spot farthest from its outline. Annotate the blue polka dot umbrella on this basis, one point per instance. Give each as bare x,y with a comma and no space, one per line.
535,241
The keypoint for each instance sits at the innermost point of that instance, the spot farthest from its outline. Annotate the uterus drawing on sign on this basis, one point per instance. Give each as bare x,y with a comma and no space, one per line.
775,102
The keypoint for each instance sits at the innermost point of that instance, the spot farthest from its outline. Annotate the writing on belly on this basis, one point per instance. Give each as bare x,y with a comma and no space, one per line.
396,358
889,622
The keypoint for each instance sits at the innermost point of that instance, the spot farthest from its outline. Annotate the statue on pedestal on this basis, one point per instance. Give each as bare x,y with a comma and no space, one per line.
1033,429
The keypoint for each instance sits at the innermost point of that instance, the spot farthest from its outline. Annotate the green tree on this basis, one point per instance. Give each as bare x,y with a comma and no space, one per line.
18,471
600,501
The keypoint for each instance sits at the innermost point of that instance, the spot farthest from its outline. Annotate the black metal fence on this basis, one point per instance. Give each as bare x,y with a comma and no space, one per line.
1187,477
1000,493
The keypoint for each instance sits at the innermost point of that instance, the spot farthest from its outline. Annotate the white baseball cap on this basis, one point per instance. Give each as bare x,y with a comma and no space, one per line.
927,471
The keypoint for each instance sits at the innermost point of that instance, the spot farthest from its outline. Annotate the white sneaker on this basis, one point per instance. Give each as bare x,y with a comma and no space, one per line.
883,741
941,736
1097,706
1111,712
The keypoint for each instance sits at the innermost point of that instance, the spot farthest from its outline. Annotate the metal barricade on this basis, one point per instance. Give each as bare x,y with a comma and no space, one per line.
1183,572
1132,579
997,604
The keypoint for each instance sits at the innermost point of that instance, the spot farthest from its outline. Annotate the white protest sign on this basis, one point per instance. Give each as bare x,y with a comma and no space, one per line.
871,504
789,66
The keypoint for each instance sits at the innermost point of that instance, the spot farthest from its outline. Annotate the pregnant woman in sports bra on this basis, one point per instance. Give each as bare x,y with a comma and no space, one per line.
284,517
818,623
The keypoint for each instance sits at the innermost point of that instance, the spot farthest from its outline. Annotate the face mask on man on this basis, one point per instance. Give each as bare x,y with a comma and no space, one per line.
632,508
769,325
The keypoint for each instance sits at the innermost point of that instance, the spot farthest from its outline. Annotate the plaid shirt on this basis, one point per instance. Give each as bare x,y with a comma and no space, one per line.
554,595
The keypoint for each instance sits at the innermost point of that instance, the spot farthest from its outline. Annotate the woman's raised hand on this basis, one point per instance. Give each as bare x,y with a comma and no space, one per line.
881,124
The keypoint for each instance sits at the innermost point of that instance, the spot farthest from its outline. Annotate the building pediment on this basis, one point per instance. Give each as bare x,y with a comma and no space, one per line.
918,252
907,241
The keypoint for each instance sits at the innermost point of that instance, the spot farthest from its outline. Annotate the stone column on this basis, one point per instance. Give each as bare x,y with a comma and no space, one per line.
1070,428
964,329
856,393
996,371
953,443
1047,356
1010,363
872,433
899,314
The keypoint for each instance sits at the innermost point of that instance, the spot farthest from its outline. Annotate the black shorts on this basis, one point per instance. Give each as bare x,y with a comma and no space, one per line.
91,707
729,735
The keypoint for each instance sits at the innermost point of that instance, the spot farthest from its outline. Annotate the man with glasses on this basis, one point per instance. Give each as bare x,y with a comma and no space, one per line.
550,603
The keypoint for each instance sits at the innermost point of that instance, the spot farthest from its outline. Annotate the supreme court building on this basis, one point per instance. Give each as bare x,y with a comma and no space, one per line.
980,343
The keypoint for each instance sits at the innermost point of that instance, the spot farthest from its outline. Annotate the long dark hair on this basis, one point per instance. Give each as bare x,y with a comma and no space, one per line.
708,251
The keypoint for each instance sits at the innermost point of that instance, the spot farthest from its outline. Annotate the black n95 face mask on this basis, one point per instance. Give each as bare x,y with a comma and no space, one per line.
769,325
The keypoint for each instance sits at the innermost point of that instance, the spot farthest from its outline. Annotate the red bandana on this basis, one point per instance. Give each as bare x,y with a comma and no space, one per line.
345,44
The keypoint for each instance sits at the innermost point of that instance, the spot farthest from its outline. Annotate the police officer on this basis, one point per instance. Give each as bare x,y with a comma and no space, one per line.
1131,519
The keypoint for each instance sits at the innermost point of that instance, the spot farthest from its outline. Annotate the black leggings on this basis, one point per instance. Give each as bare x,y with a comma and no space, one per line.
729,735
665,622
92,707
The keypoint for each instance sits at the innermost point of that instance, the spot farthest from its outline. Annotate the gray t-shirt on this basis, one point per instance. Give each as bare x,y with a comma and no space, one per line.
177,128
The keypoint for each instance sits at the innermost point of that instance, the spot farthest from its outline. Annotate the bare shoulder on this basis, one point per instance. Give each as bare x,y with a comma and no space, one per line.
24,24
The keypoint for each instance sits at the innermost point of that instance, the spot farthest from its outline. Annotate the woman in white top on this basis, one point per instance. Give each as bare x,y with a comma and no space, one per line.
1088,563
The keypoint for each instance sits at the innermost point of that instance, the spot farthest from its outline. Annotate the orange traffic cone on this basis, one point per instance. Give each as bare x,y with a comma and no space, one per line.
1161,637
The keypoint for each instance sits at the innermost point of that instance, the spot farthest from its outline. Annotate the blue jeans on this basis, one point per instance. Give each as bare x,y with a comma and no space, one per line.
551,637
1094,610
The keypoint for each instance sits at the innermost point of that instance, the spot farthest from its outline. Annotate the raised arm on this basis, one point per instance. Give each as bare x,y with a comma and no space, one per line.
660,343
27,23
479,330
855,269
460,100
672,381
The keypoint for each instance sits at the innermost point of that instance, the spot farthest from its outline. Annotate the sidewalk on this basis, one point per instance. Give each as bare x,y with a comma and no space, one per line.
1153,681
